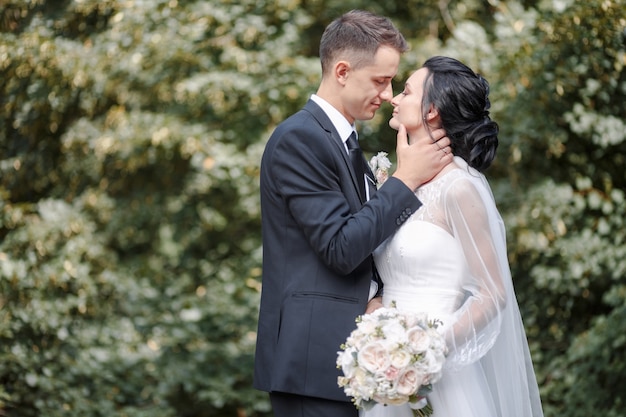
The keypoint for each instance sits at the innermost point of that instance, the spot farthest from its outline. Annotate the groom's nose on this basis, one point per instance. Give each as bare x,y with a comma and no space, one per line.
387,93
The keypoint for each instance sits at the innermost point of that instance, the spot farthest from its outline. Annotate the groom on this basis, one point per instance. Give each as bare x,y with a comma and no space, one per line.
321,221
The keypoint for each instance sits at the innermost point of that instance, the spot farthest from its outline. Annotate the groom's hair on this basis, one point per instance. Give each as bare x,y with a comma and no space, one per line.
356,36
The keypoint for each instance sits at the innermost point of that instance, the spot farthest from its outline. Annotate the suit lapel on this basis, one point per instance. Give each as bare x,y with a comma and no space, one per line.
340,148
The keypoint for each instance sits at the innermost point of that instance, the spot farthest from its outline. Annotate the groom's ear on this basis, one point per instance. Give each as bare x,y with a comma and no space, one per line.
341,71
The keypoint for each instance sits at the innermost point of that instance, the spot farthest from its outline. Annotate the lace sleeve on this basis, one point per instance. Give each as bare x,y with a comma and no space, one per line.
474,221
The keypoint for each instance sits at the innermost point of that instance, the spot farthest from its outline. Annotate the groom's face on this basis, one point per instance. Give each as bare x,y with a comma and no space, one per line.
366,88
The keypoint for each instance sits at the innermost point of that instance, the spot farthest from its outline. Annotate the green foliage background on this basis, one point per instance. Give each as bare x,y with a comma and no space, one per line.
130,138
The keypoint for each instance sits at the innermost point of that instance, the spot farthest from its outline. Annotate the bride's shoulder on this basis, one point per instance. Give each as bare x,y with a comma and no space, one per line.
460,184
451,174
454,182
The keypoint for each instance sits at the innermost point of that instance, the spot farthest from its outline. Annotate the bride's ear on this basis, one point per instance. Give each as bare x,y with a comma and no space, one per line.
432,115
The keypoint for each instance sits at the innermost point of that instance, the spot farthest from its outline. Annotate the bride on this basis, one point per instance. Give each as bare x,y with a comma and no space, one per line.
449,259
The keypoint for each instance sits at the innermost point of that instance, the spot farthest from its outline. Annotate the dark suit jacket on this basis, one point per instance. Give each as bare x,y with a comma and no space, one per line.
318,237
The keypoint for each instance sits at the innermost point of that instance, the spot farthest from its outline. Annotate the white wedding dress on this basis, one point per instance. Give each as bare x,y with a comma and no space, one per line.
449,260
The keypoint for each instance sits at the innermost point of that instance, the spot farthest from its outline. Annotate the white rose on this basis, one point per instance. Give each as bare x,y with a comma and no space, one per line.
379,313
356,339
373,357
399,358
436,360
363,383
345,360
410,381
410,319
367,324
433,378
431,366
437,340
419,340
395,333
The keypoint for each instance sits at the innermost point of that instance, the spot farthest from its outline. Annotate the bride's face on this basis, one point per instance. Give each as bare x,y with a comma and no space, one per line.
408,104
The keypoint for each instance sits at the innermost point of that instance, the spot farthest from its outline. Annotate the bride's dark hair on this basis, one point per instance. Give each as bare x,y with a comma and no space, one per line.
462,99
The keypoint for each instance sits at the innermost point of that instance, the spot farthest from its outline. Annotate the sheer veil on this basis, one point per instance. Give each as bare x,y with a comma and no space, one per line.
488,328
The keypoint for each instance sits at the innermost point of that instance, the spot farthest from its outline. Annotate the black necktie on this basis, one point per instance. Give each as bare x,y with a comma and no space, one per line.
356,157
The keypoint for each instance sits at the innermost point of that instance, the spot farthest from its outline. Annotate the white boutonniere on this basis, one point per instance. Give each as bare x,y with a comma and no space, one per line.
380,164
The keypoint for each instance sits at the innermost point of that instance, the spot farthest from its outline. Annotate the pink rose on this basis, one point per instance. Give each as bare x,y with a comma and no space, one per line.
391,373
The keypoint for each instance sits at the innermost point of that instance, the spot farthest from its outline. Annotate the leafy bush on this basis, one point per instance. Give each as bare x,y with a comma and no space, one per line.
130,138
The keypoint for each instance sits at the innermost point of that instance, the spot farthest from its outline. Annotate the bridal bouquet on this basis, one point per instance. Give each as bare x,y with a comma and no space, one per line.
392,357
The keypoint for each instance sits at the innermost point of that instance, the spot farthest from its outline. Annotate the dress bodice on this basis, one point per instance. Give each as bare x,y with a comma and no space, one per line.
422,266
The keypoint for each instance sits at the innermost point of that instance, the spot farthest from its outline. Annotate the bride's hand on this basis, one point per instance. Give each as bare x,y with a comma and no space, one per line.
374,304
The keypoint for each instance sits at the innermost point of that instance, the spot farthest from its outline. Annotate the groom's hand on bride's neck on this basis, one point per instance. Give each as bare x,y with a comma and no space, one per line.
421,160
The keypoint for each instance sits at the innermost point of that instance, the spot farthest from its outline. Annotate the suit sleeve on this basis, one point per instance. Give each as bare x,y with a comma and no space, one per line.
315,183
